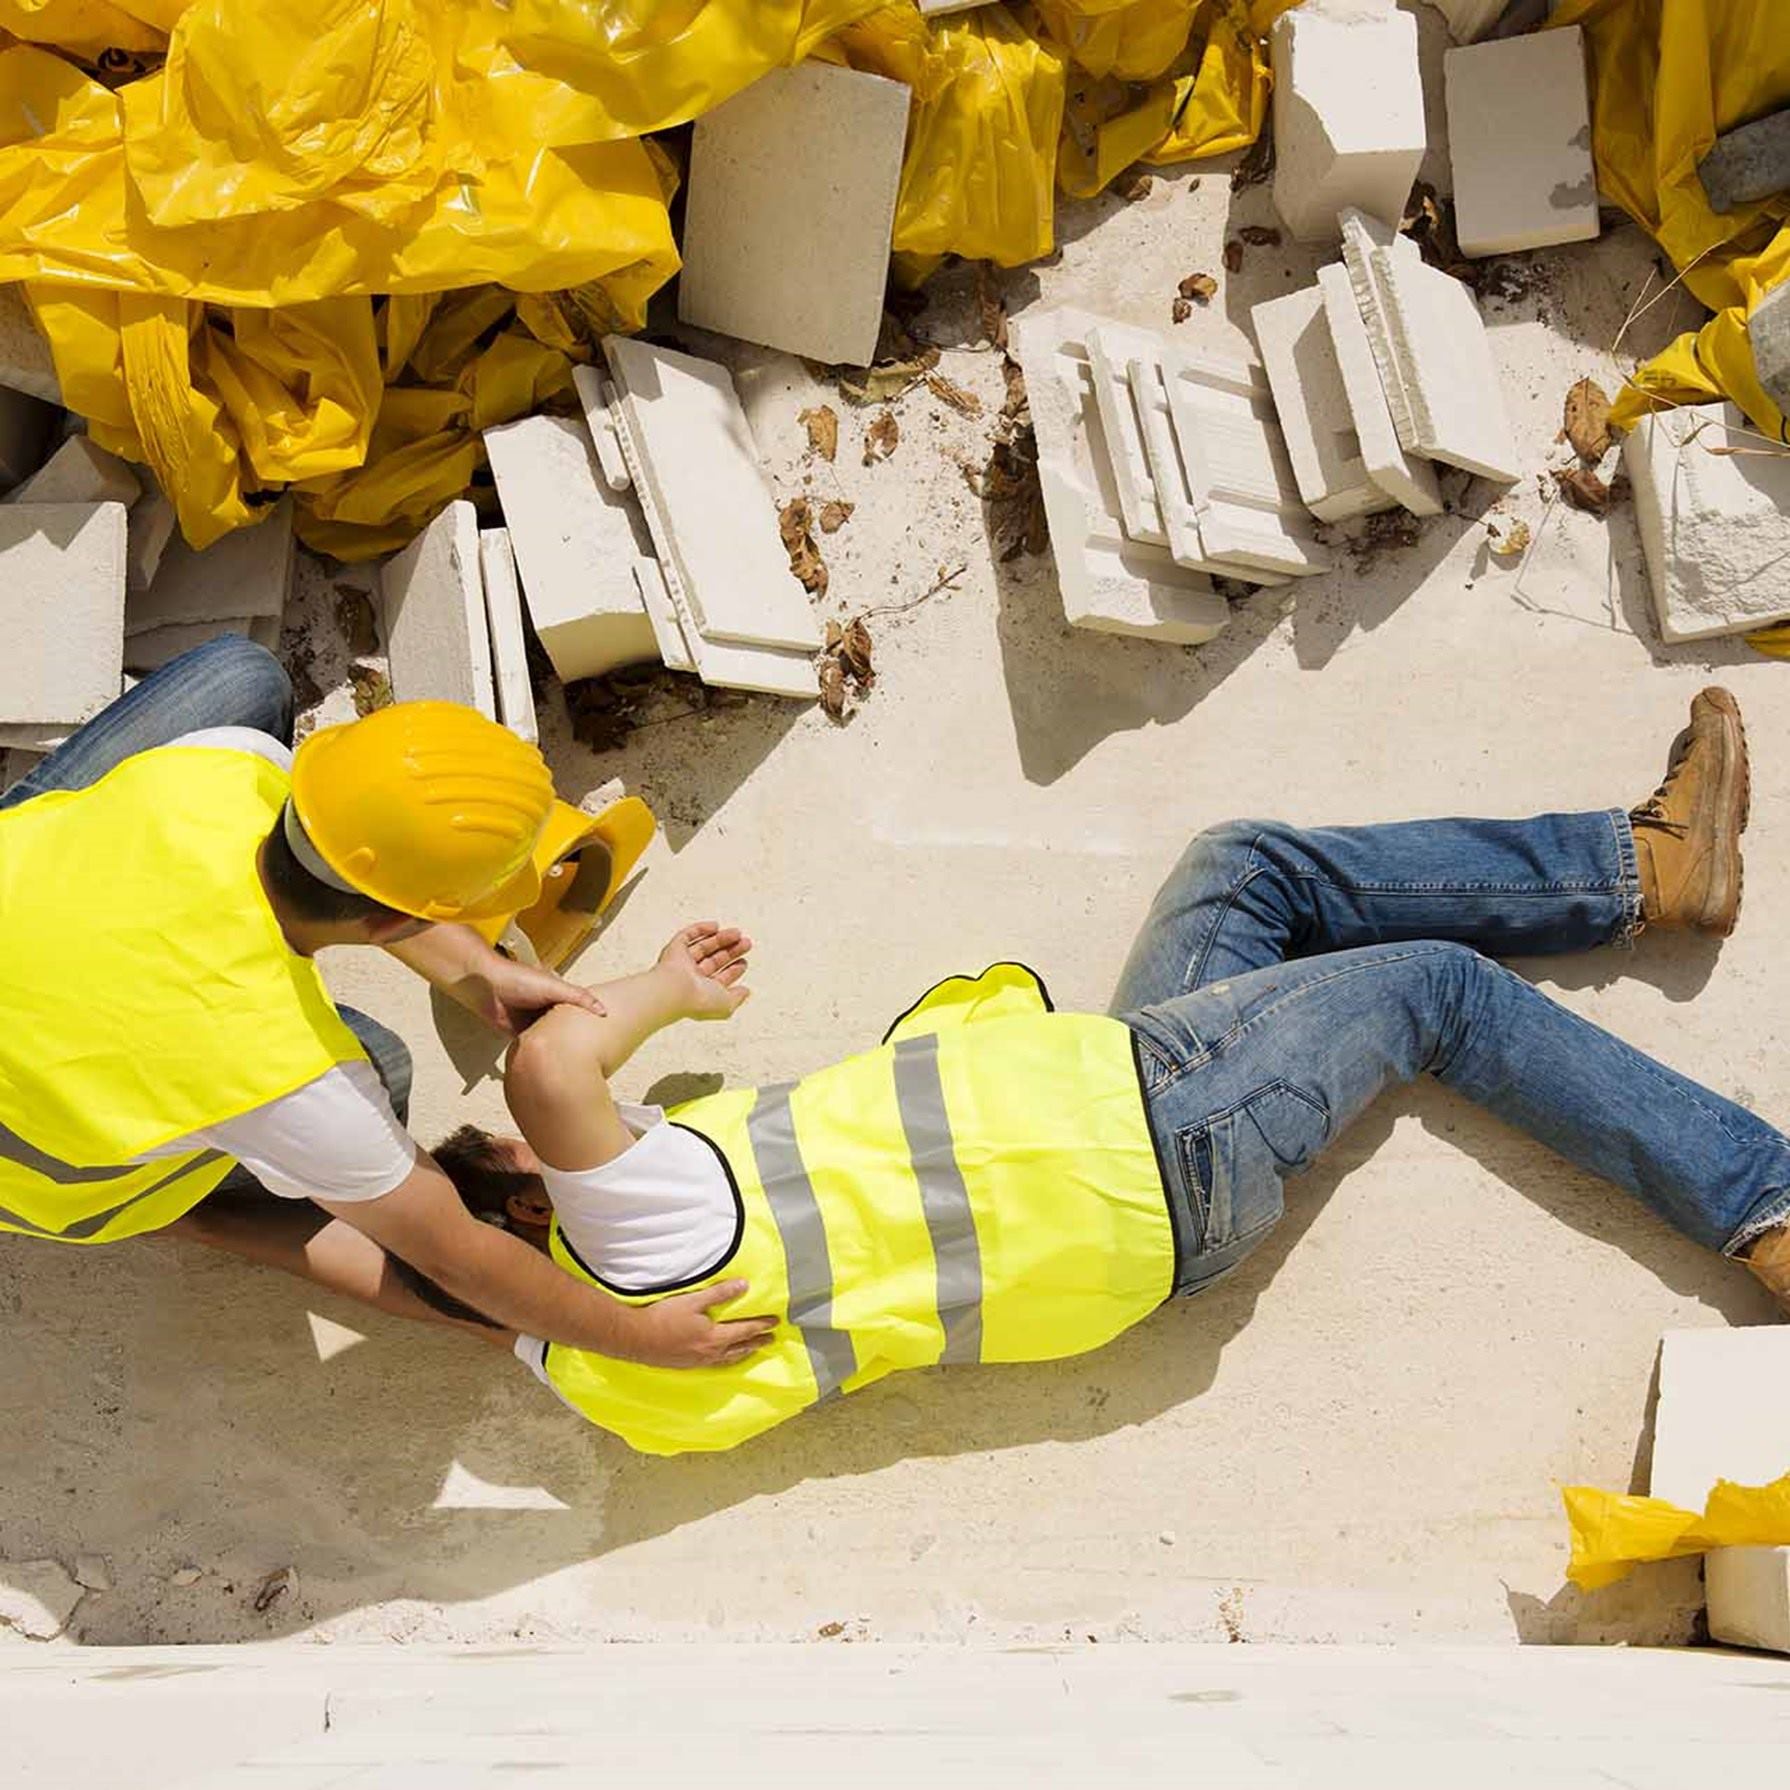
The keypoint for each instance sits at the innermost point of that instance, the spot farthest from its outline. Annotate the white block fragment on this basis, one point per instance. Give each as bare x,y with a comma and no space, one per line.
27,433
700,463
1445,366
1748,1593
1519,139
509,645
1305,376
1110,347
790,211
79,472
668,630
61,610
1406,478
438,642
575,542
1348,113
37,1597
152,522
1109,582
248,572
26,364
1713,501
598,397
1470,19
144,653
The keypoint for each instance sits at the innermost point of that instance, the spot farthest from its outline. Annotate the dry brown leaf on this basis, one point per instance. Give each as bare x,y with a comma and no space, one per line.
881,437
822,424
844,666
1134,184
1507,536
1257,163
795,522
1587,421
1017,405
1260,236
354,620
1180,310
1233,255
991,306
273,1588
1199,286
370,686
1584,490
966,403
854,650
832,688
834,514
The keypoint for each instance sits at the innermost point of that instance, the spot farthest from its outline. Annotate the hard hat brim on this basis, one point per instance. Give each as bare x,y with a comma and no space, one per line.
521,892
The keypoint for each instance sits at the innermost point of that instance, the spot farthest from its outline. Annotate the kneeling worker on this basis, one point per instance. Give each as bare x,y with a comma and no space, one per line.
166,879
1000,1182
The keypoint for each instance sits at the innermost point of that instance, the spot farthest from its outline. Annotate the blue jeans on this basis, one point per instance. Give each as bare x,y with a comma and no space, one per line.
1285,976
227,682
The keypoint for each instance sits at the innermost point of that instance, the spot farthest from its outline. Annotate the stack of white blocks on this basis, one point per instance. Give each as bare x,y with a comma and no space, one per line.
648,530
1724,1414
1158,466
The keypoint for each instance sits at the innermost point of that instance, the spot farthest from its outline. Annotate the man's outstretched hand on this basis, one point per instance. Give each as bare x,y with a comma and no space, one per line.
707,962
679,1332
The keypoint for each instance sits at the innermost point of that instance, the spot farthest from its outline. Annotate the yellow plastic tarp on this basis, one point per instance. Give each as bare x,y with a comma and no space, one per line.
1612,1532
1668,77
88,28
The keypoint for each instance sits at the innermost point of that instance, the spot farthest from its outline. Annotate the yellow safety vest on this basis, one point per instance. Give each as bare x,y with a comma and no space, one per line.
981,1187
148,990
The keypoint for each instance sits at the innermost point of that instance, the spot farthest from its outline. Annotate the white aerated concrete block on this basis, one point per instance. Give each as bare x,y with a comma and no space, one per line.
1519,139
1723,1415
26,364
1713,502
791,208
1348,113
438,642
248,572
79,472
1469,20
1305,376
152,523
1109,582
144,653
509,645
27,433
1408,479
61,610
701,465
575,541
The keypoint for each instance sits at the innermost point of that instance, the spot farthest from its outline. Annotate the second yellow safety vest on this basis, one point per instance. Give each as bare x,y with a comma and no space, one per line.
981,1187
148,990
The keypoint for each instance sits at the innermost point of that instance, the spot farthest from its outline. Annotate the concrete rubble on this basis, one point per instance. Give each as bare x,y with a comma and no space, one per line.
248,572
511,684
1716,1419
1768,334
26,364
37,1597
438,641
1712,497
1749,163
791,203
61,611
1469,20
79,472
27,428
1519,143
1348,113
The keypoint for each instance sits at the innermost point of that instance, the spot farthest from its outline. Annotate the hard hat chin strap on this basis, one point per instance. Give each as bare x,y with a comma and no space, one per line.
306,853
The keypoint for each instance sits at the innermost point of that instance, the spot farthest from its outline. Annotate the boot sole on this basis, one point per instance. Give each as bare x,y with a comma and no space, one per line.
1734,797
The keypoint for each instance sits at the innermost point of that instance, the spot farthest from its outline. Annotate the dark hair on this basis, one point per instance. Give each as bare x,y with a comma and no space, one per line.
481,1173
297,892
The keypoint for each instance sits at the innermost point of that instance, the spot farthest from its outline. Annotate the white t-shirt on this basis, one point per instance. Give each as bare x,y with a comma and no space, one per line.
662,1214
335,1137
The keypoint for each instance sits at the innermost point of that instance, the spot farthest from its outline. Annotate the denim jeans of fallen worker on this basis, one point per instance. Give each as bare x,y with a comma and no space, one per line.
227,682
1286,976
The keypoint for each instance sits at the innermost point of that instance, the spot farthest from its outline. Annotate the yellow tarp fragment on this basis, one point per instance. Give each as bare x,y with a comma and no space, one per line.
1612,1532
88,28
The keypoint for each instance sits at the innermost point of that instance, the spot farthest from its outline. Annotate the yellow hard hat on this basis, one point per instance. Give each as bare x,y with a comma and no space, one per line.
425,806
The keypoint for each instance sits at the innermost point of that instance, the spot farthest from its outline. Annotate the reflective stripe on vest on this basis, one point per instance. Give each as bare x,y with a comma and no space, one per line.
982,1187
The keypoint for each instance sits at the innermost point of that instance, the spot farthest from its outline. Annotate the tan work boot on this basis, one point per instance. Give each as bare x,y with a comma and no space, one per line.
1687,833
1769,1259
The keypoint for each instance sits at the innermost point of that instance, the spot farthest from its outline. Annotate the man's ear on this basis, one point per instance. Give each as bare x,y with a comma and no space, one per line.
533,1209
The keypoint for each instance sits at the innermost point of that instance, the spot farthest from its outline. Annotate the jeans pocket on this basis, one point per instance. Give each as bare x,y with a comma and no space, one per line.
1293,1125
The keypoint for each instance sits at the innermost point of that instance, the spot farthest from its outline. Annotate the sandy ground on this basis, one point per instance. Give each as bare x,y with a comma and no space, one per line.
1360,1436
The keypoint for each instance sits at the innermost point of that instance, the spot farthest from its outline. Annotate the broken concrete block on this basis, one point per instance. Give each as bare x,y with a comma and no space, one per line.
1305,376
509,645
1768,331
1109,347
1749,163
150,651
61,610
699,461
1361,235
1519,140
79,472
598,397
668,630
248,572
790,211
27,433
93,1572
1713,502
438,642
26,364
575,542
1748,1594
1409,479
37,1597
151,528
1469,20
1348,113
1109,582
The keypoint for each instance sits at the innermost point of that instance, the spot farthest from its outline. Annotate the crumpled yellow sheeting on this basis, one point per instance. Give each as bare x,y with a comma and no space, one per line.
1612,1532
89,27
1668,77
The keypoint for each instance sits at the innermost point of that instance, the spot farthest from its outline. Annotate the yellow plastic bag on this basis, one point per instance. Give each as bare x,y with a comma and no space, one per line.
1668,77
88,28
1612,1532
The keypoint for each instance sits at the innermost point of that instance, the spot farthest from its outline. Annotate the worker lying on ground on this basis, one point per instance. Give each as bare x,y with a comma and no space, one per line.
998,1182
166,878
